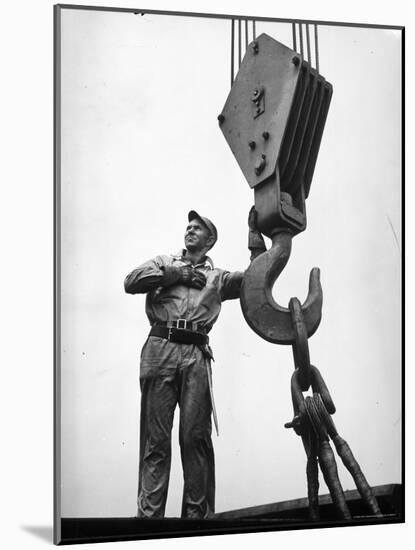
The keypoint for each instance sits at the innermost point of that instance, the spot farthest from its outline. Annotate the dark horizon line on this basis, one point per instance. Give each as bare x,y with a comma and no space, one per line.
143,11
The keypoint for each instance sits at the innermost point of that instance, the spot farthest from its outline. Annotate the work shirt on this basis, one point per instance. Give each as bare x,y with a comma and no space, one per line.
178,301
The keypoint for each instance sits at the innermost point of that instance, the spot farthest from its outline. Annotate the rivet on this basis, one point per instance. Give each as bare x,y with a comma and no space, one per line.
221,118
265,135
296,60
252,144
260,165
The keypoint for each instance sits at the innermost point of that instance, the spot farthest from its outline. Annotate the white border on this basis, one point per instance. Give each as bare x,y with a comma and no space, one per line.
26,275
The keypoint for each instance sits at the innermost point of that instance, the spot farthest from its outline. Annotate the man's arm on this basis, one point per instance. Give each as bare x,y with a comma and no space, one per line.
231,288
256,243
231,285
146,277
159,272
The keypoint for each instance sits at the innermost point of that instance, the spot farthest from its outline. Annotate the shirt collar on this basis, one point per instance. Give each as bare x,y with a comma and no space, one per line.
182,253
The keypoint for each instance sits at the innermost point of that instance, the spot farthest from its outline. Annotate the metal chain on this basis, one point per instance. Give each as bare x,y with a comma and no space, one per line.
313,423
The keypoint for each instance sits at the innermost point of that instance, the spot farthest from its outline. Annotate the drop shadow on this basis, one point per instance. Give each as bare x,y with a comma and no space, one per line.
44,532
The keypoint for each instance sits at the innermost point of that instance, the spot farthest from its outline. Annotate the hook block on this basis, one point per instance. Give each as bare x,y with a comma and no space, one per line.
278,95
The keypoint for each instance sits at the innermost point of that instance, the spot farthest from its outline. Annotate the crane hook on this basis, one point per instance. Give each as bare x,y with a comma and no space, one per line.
262,313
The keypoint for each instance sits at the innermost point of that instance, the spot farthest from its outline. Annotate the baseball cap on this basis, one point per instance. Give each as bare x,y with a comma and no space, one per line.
206,222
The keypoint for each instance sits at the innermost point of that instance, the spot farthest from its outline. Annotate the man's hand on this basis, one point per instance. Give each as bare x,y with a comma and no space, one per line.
184,275
256,243
252,220
192,277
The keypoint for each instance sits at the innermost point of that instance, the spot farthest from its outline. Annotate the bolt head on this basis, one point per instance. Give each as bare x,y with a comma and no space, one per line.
221,118
296,60
265,135
252,144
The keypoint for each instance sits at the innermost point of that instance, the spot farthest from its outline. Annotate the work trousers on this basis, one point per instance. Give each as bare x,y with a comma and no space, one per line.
172,374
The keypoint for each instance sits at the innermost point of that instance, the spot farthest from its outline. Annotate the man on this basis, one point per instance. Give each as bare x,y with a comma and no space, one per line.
184,297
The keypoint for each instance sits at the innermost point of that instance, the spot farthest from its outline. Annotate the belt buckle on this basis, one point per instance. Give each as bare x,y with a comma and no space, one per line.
184,321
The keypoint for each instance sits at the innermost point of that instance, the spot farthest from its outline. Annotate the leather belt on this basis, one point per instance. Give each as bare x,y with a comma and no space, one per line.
179,335
182,324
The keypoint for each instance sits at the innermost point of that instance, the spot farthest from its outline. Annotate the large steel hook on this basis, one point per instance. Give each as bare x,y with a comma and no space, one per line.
273,120
262,313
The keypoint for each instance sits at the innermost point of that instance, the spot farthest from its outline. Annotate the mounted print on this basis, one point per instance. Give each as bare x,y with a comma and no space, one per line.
228,275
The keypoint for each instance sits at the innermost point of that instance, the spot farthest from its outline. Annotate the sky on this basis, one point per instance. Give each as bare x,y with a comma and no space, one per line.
140,148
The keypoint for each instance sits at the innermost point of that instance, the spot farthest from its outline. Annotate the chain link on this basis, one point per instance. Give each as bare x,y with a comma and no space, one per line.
312,421
300,346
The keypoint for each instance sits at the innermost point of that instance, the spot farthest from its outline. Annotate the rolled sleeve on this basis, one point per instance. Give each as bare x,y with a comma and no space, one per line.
146,277
231,285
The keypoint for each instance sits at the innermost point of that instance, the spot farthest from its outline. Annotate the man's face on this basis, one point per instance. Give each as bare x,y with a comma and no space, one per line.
197,236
